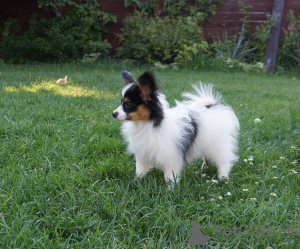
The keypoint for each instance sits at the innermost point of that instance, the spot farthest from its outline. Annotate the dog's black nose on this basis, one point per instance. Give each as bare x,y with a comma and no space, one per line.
115,114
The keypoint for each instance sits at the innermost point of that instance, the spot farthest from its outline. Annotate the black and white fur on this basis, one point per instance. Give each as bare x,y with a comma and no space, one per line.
168,138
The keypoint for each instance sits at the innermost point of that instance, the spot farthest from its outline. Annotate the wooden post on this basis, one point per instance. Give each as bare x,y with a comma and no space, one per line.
272,46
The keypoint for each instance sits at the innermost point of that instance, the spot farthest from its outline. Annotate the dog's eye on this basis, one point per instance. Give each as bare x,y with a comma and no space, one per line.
128,104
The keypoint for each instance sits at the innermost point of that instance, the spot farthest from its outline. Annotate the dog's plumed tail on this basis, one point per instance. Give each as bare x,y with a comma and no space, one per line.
204,95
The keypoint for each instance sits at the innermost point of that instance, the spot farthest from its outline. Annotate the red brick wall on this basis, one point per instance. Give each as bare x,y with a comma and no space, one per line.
20,9
115,7
227,18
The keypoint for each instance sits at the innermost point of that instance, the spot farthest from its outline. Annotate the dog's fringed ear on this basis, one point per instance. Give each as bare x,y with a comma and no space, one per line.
147,84
127,77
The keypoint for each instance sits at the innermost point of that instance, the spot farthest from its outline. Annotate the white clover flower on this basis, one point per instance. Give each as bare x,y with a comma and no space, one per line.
220,197
202,198
245,189
293,147
257,120
203,175
214,181
274,167
293,171
256,182
294,162
281,157
245,160
250,158
207,180
253,199
251,163
228,193
212,199
241,199
274,194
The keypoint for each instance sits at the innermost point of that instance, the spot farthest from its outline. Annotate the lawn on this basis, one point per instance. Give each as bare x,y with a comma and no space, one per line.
66,180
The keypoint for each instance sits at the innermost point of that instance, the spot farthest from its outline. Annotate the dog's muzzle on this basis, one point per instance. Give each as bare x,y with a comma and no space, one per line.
115,114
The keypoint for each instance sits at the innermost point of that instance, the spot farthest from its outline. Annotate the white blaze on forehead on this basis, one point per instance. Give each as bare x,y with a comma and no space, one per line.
126,88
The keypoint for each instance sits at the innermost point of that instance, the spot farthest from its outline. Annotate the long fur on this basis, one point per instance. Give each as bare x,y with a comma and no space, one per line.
199,127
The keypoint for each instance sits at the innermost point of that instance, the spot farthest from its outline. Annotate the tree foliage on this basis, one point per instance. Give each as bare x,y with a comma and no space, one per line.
66,37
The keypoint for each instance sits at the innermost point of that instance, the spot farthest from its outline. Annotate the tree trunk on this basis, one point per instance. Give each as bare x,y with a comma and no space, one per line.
272,46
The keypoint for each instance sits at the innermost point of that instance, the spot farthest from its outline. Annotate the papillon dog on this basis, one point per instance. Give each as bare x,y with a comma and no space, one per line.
200,127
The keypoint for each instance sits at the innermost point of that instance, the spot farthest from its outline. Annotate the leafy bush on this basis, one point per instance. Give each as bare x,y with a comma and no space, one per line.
158,38
63,38
236,65
196,53
260,39
236,48
290,46
175,8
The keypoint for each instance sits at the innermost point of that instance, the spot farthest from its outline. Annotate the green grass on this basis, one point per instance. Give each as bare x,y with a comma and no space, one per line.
67,182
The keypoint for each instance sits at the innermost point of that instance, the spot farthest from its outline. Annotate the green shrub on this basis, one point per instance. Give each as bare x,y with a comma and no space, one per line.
289,45
175,8
289,52
196,53
72,36
158,38
236,48
260,39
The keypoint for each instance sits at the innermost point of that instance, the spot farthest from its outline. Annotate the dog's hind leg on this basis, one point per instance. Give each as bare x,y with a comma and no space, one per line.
224,165
224,158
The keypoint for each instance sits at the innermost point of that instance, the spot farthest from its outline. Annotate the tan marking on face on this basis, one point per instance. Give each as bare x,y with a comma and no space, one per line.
126,99
142,113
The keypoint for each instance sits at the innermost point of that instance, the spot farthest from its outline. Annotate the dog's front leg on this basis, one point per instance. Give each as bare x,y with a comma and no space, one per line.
172,176
141,169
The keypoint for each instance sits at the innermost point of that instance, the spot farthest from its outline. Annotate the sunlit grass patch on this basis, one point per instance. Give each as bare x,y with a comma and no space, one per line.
63,90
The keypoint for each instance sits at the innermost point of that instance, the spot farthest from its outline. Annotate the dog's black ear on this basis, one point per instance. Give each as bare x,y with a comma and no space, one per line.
127,77
148,86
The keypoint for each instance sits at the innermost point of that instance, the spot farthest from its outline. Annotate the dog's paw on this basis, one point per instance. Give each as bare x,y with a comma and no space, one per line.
140,175
171,186
223,176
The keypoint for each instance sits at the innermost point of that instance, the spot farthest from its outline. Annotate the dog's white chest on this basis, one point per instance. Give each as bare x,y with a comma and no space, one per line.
154,145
